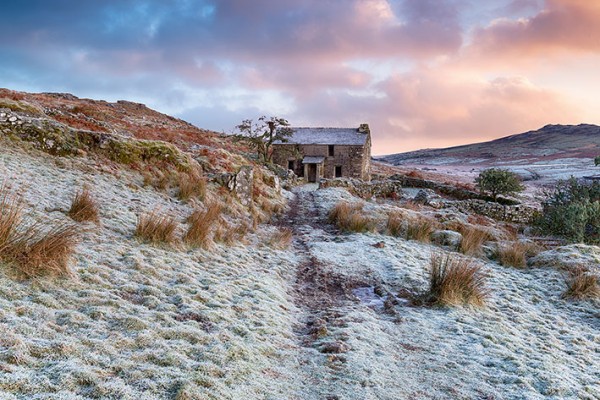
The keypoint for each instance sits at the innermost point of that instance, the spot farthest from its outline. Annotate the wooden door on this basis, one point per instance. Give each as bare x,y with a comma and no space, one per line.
312,172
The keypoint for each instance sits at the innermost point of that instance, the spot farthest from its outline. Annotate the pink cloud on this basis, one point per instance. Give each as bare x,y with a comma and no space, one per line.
562,26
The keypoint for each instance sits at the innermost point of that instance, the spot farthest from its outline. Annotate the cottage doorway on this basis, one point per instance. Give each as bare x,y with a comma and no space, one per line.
312,173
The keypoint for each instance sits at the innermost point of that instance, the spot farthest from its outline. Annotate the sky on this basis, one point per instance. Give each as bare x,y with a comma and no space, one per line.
422,73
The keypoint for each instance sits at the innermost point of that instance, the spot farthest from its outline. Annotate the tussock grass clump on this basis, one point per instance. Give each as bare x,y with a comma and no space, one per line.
84,207
456,281
31,249
36,252
515,254
156,228
582,285
349,217
281,239
191,185
512,255
202,225
11,209
420,229
395,224
472,240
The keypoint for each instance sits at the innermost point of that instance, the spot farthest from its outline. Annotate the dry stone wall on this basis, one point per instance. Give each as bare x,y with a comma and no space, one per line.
515,213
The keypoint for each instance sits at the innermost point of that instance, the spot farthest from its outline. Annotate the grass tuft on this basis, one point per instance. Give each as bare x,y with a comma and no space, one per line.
84,207
281,239
472,240
349,217
36,252
11,209
33,250
156,228
202,224
582,285
456,281
420,229
191,185
515,254
395,224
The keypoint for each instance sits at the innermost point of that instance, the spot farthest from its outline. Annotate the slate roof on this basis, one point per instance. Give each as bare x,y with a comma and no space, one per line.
313,159
339,136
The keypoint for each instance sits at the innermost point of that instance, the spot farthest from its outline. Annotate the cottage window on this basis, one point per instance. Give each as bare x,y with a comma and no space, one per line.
338,171
331,152
291,165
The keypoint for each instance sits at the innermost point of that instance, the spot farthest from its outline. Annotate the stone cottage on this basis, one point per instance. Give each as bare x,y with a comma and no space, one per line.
315,153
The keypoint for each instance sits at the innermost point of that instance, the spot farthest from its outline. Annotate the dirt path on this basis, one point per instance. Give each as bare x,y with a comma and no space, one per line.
321,297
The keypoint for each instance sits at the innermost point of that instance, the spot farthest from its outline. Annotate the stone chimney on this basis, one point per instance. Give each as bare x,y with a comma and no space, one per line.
364,128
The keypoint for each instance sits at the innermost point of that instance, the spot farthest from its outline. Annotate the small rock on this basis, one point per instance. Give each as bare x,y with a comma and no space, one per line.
334,347
379,245
422,197
12,119
447,238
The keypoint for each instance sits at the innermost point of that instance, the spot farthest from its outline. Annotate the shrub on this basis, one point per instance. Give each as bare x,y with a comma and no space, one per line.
202,224
455,281
420,229
191,185
349,217
84,207
156,228
498,181
581,284
571,210
281,239
472,240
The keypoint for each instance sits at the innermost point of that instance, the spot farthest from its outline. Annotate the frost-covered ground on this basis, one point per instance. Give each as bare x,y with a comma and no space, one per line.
528,343
137,321
143,322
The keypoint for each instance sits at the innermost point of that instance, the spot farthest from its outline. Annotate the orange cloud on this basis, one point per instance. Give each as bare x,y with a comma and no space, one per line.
431,109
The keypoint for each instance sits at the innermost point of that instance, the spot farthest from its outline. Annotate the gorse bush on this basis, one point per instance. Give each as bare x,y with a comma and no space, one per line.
498,181
571,210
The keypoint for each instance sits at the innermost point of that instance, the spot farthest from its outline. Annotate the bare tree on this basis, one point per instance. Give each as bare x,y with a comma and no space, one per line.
262,134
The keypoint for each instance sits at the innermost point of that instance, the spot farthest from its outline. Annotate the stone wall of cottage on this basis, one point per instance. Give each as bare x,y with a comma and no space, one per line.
354,160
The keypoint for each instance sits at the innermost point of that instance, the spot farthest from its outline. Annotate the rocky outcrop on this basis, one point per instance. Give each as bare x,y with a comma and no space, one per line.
241,183
58,139
569,257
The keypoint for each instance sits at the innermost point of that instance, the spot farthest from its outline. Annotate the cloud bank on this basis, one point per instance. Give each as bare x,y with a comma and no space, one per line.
423,73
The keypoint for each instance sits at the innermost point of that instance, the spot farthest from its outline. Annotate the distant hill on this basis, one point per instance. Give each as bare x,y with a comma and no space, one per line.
552,142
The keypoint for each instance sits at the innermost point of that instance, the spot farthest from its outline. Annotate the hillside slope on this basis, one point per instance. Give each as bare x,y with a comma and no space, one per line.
549,143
